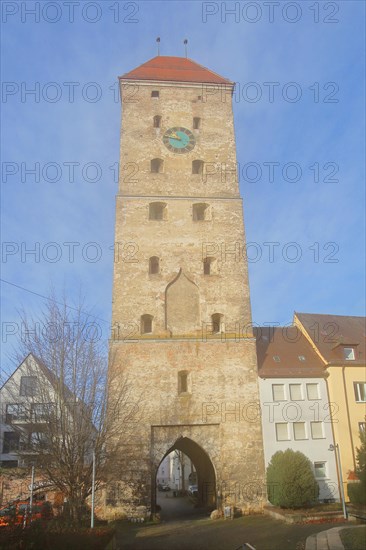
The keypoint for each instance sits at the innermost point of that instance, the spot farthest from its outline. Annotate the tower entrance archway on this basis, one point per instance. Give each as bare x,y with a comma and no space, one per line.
202,474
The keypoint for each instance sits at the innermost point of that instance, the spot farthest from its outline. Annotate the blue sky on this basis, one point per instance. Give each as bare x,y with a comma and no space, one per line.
312,50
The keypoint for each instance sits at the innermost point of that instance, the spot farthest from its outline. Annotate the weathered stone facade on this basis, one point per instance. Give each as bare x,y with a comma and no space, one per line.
191,361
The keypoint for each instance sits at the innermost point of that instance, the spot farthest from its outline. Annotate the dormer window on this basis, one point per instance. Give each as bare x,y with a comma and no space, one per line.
155,94
349,354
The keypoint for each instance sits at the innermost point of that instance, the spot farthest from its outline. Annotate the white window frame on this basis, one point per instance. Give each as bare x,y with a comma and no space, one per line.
317,423
349,353
277,434
325,470
358,393
317,391
305,431
284,392
301,398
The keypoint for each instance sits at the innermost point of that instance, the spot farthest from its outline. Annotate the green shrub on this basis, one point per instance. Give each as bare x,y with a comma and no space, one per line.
290,480
357,492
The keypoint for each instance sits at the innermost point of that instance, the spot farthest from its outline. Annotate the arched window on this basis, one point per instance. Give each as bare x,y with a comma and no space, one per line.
156,166
153,265
157,121
146,323
196,123
209,265
157,211
216,320
200,211
197,167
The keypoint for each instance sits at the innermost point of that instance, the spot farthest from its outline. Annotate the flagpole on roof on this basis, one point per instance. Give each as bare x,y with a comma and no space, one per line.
185,45
158,43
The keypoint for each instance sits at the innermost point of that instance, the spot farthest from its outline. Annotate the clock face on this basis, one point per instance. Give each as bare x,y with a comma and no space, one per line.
179,140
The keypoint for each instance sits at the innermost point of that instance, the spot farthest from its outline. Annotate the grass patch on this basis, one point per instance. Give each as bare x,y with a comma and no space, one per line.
354,539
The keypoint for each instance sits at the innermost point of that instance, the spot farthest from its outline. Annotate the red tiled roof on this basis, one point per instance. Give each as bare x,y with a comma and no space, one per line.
331,333
284,352
177,69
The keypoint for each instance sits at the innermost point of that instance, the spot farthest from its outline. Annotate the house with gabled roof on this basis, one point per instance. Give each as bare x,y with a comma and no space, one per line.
339,343
294,403
23,409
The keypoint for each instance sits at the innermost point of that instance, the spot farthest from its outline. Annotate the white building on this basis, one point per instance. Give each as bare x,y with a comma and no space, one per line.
173,468
296,413
23,410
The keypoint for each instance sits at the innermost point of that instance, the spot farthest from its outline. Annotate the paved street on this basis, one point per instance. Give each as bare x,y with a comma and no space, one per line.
204,534
173,508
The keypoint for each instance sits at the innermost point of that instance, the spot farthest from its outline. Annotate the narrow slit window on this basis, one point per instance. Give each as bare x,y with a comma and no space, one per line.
196,123
209,265
197,166
200,212
157,121
146,324
182,382
216,320
153,265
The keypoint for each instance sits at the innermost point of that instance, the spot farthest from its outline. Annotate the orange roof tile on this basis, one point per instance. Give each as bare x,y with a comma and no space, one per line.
331,333
176,69
284,352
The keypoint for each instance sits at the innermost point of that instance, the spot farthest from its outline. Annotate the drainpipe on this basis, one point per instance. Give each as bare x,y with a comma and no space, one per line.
348,418
332,427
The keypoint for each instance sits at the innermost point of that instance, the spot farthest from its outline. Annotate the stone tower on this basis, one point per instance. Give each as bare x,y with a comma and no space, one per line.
182,345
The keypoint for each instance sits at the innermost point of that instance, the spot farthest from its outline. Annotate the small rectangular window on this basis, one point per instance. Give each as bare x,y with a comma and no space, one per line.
312,391
317,430
320,470
278,392
41,411
349,354
10,442
182,382
360,391
362,426
282,431
15,412
28,386
196,123
299,430
276,358
155,94
296,392
302,358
